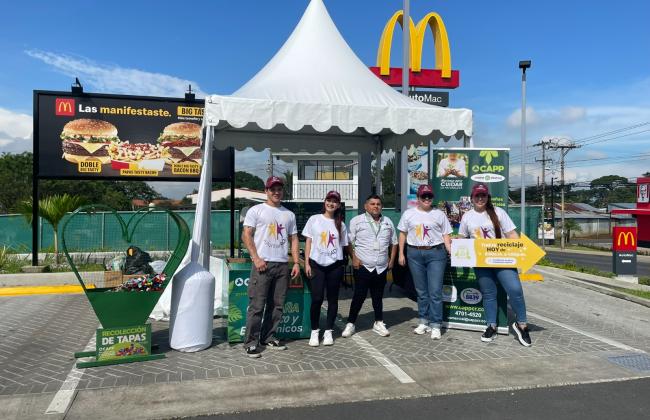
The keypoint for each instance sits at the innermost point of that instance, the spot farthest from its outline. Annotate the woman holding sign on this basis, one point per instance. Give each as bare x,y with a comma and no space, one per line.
485,221
326,237
425,230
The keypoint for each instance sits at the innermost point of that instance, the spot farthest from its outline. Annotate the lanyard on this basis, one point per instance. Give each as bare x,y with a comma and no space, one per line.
372,226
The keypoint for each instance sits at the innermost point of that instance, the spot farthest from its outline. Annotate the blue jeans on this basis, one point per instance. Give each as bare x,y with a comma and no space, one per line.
509,279
427,268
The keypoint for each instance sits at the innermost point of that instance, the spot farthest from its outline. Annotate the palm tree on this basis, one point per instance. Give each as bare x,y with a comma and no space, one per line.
52,209
570,225
288,184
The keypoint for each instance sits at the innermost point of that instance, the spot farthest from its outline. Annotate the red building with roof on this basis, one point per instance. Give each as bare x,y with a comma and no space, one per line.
641,212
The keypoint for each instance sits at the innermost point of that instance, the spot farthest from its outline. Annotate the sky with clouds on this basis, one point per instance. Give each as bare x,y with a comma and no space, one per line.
590,70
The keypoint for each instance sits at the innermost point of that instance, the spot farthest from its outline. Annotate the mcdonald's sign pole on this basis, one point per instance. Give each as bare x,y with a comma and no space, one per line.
406,46
624,243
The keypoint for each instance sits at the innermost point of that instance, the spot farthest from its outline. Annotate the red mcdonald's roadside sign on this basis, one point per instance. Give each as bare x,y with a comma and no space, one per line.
624,239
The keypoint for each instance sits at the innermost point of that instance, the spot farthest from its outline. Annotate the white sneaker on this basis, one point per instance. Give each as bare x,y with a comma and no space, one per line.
380,328
421,329
349,330
328,340
313,339
435,333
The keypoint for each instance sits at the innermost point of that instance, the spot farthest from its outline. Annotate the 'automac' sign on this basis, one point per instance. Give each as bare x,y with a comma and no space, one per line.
441,77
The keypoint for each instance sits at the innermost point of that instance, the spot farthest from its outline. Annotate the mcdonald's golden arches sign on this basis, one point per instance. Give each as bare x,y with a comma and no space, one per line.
624,239
442,76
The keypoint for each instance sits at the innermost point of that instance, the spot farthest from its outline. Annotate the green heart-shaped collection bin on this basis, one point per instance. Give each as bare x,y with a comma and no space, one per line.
122,307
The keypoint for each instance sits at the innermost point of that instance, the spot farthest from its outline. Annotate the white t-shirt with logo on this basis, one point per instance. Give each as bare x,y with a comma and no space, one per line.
424,228
326,246
477,225
273,226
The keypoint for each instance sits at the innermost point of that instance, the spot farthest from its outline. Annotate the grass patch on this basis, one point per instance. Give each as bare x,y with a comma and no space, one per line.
9,262
639,293
571,266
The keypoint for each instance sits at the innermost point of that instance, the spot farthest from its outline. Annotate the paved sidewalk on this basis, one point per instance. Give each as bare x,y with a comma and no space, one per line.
580,336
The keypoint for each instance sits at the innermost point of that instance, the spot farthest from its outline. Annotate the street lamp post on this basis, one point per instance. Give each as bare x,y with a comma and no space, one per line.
523,65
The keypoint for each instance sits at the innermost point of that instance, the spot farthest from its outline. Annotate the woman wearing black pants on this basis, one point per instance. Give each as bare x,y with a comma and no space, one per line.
326,237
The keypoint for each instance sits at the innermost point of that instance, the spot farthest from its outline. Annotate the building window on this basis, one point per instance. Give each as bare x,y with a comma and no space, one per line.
325,170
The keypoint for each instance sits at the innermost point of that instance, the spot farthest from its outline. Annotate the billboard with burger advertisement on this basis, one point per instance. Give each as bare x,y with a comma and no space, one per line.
119,137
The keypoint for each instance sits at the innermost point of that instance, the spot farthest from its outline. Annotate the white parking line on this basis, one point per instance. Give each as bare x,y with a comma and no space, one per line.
64,396
588,334
395,370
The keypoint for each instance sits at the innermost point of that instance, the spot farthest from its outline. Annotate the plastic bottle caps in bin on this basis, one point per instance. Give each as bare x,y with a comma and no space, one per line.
143,283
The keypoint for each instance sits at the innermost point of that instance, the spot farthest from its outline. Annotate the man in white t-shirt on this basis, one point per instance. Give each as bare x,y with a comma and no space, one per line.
268,230
452,166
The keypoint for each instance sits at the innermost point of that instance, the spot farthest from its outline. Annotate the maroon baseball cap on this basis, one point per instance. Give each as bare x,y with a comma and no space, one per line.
425,189
480,188
333,194
273,180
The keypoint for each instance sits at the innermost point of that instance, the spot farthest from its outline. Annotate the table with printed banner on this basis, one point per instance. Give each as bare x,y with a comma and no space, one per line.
463,302
453,172
295,322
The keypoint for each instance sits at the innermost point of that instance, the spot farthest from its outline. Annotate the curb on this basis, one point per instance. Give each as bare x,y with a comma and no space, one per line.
596,286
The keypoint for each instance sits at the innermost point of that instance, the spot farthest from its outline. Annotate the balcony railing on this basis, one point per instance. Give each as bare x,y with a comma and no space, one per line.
317,190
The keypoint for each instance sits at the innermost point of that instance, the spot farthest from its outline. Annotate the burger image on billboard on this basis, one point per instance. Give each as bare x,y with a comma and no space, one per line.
181,143
87,139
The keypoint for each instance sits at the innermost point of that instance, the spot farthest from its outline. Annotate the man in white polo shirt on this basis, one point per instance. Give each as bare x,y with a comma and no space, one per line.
268,229
372,236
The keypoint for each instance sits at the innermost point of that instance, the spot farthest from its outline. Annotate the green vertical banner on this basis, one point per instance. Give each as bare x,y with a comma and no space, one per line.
452,175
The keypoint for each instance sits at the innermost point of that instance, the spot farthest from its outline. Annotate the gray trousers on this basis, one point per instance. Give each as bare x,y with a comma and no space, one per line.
266,294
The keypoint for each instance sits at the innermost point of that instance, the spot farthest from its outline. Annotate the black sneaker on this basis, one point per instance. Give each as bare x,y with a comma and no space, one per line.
253,352
275,344
489,334
522,334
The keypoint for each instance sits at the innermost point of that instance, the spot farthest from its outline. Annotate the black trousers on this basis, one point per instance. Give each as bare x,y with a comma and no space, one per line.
325,278
365,280
266,294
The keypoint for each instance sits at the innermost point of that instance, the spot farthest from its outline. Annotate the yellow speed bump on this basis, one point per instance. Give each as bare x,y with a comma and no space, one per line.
531,277
40,290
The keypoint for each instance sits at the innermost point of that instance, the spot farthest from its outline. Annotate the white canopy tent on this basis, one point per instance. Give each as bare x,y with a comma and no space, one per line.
315,95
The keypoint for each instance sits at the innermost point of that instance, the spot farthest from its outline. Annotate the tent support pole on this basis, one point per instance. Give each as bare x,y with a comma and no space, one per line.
378,186
364,188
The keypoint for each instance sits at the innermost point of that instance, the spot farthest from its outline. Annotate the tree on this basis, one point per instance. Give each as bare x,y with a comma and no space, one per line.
609,182
242,180
115,194
646,174
388,183
16,172
53,209
570,225
16,180
288,184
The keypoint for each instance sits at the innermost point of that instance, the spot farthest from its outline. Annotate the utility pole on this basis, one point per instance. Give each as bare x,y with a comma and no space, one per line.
564,145
543,145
